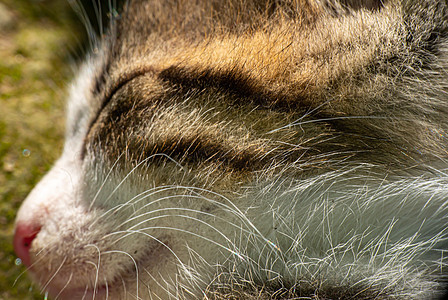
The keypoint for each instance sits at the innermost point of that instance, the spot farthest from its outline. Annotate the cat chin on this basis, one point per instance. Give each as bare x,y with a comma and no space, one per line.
73,293
69,287
71,282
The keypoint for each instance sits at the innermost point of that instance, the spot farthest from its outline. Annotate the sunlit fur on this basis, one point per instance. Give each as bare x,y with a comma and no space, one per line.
253,150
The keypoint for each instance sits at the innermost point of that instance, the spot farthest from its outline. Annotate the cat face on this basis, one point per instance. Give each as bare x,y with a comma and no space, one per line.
225,148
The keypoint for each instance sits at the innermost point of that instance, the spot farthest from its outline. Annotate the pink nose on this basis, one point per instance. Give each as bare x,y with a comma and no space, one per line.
23,237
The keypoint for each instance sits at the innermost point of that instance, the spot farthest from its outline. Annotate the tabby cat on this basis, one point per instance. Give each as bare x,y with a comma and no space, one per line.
259,149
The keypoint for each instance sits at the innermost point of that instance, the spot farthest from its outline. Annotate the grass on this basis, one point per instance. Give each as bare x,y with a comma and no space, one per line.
34,71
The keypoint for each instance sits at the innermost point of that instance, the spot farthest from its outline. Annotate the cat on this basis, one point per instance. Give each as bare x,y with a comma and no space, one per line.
230,149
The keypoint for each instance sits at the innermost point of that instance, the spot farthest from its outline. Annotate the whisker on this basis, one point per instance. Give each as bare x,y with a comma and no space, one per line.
81,12
135,200
196,191
159,284
54,274
124,285
140,230
97,268
133,261
299,122
245,231
65,286
106,286
136,167
308,113
98,14
85,292
104,181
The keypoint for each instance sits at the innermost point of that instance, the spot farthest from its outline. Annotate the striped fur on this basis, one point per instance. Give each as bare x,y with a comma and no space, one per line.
253,150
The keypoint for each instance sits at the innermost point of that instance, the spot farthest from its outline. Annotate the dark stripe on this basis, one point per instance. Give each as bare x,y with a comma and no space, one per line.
203,148
233,82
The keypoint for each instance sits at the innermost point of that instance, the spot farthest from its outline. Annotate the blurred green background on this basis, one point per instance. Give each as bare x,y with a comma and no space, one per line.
40,42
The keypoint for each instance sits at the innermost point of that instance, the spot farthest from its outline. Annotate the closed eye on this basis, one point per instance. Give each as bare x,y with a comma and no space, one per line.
124,78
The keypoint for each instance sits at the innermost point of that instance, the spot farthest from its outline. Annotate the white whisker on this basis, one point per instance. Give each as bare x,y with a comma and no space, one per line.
136,167
133,261
54,274
104,181
97,268
65,286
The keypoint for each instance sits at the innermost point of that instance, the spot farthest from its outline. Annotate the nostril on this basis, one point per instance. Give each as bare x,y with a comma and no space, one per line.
23,237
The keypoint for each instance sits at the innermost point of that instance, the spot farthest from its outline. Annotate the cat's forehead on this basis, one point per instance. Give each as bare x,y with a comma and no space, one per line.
165,59
285,59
